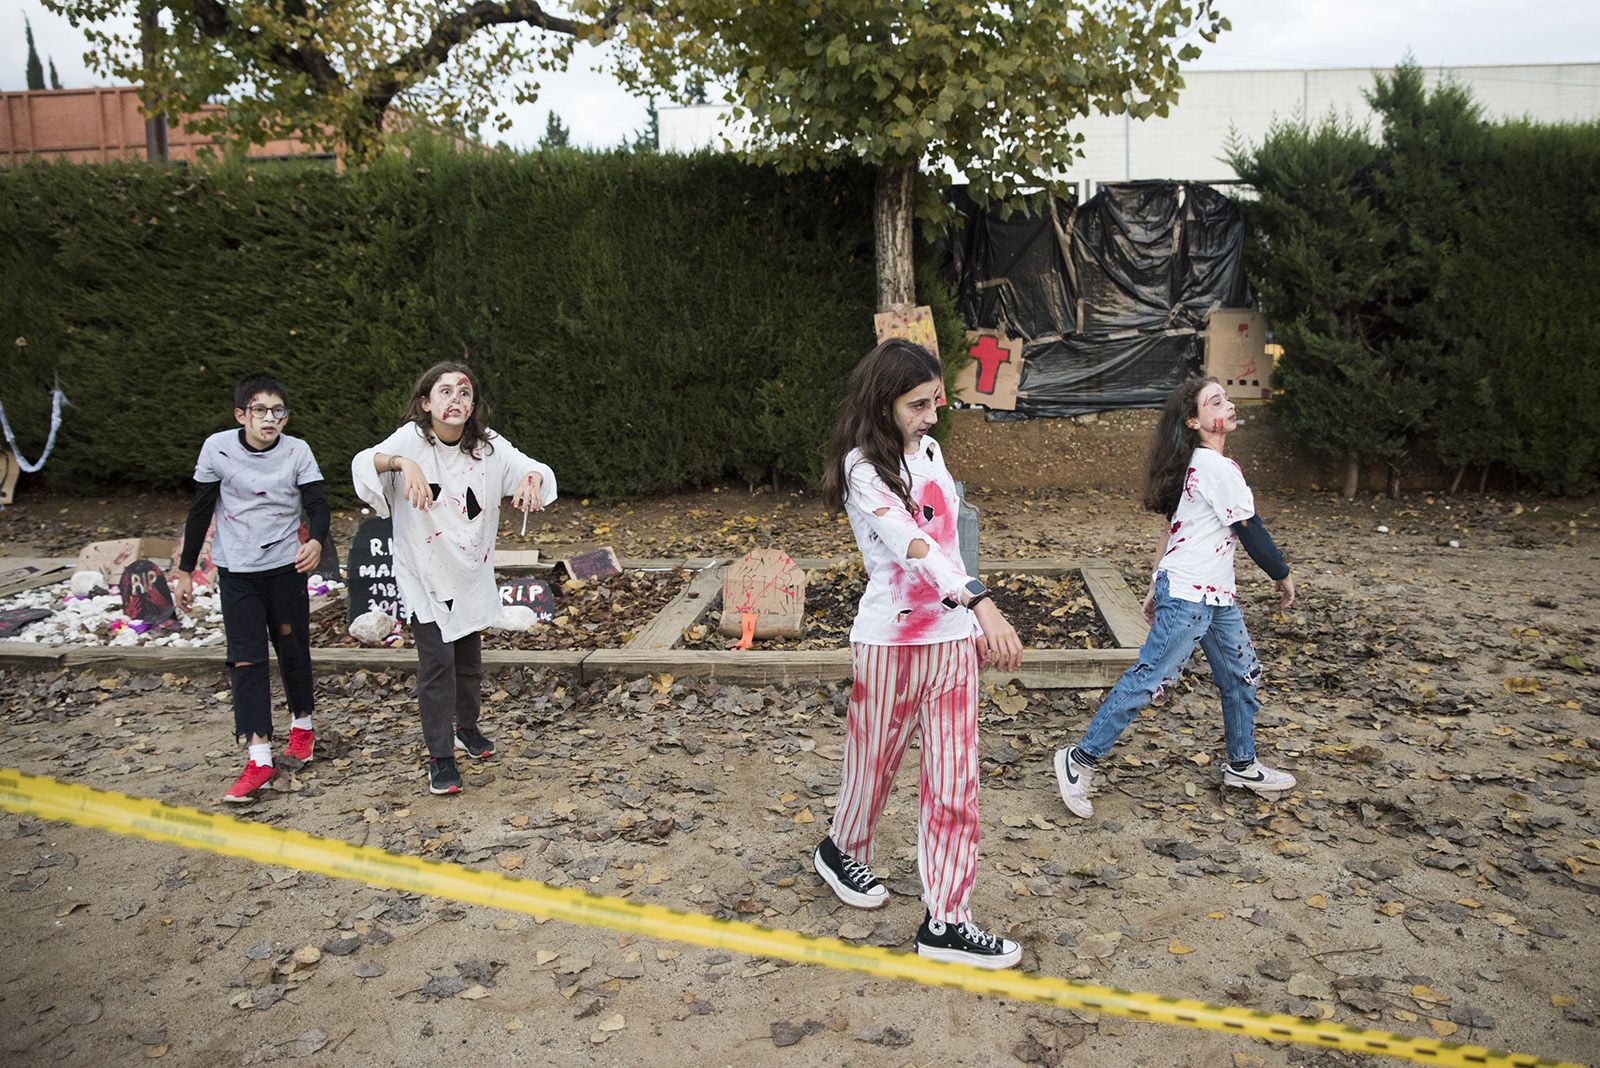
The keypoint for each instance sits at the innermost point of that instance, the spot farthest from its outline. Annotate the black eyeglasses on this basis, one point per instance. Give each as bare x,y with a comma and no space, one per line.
261,411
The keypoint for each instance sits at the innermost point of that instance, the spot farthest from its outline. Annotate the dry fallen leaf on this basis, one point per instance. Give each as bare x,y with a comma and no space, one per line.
1178,948
1317,901
1443,1028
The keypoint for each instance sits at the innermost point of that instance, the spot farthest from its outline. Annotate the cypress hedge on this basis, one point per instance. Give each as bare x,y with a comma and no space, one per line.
642,322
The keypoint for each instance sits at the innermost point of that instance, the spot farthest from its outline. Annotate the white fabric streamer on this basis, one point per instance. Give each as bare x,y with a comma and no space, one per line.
57,399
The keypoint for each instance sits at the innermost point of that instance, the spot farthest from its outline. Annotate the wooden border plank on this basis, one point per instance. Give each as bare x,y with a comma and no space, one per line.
1041,668
1118,609
684,610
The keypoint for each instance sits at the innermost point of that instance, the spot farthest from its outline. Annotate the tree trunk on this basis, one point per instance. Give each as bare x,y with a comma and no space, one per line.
1394,483
155,125
1455,483
1352,474
892,236
1483,479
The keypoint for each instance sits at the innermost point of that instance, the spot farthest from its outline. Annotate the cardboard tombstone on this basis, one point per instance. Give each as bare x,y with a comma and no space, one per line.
913,324
991,376
529,592
205,567
597,564
768,585
10,471
14,619
1236,352
369,582
146,596
328,562
110,557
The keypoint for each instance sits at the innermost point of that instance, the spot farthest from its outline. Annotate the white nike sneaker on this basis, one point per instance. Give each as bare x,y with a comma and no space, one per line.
1073,778
1258,777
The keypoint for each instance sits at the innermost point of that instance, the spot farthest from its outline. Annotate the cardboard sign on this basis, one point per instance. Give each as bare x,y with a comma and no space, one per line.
913,324
370,583
991,374
110,557
14,619
534,593
1236,353
328,562
205,566
593,565
145,593
10,471
768,584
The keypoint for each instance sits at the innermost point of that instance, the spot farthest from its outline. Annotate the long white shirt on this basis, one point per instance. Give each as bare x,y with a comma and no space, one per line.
1201,543
903,602
444,557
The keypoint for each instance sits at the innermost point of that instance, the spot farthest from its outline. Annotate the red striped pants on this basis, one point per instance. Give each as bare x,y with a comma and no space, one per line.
897,689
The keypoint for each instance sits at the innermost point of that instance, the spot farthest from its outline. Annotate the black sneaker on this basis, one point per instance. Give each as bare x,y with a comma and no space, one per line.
471,741
443,778
965,943
852,880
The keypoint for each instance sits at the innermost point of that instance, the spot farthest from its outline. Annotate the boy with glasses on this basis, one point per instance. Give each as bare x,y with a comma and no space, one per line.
256,481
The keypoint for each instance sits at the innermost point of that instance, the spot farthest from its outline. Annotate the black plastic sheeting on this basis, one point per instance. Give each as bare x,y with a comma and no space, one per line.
1109,297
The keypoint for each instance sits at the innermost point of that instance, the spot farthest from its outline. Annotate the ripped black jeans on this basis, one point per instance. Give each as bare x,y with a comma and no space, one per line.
1221,634
259,607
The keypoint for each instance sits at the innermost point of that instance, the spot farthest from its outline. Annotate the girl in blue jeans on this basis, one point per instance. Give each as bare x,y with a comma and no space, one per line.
1210,509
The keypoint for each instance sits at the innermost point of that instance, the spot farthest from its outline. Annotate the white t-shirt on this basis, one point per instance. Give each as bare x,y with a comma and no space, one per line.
902,604
1199,557
444,557
258,504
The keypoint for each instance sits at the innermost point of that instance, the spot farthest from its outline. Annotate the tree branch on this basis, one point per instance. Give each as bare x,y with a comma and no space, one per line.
216,20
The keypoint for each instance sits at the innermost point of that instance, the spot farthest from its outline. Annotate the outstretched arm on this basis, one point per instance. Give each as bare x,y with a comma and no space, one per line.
1257,541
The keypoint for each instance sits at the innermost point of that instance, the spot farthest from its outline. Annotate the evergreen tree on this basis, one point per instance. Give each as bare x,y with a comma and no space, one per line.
55,79
556,134
1319,248
35,68
649,138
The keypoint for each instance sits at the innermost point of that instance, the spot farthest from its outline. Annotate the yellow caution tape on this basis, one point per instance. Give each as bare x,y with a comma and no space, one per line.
46,798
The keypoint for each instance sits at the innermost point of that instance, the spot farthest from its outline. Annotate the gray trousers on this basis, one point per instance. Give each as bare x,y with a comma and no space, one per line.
449,685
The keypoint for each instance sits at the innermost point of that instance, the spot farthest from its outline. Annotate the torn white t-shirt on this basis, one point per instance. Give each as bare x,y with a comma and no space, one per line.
444,556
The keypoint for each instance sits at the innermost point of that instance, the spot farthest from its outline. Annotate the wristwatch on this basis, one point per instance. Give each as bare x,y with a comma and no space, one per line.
976,591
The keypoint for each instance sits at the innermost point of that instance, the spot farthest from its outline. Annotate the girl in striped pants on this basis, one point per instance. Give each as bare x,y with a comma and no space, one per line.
920,633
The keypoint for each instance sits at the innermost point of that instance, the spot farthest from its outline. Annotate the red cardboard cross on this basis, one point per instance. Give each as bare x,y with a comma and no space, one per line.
989,356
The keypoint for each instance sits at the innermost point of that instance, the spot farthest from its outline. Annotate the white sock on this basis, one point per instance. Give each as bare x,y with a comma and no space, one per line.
261,754
301,723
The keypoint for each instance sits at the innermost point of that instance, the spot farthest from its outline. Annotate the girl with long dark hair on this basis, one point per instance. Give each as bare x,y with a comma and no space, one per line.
442,475
1209,509
921,631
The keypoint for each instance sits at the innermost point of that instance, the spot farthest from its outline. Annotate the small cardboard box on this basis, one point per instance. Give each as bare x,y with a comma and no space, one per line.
1236,353
111,558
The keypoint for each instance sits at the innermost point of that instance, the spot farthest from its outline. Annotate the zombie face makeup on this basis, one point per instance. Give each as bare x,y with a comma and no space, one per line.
263,420
449,405
1215,414
916,411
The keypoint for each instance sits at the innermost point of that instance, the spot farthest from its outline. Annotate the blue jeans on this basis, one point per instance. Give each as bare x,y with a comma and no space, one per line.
1179,625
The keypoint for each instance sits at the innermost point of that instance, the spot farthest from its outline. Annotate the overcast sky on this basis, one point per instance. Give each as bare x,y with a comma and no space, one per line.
1270,34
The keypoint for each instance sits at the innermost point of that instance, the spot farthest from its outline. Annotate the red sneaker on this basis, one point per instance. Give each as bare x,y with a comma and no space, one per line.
253,778
299,747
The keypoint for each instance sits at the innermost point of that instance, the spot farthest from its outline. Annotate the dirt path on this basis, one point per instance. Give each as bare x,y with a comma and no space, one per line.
1436,873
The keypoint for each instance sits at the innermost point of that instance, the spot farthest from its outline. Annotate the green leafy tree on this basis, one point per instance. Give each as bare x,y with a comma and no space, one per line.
55,79
556,134
330,72
994,88
35,68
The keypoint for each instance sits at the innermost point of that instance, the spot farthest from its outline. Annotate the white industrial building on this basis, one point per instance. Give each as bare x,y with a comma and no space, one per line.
1191,141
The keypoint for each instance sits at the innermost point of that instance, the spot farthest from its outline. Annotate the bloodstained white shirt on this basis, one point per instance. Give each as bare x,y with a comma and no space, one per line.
444,557
903,602
1200,545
